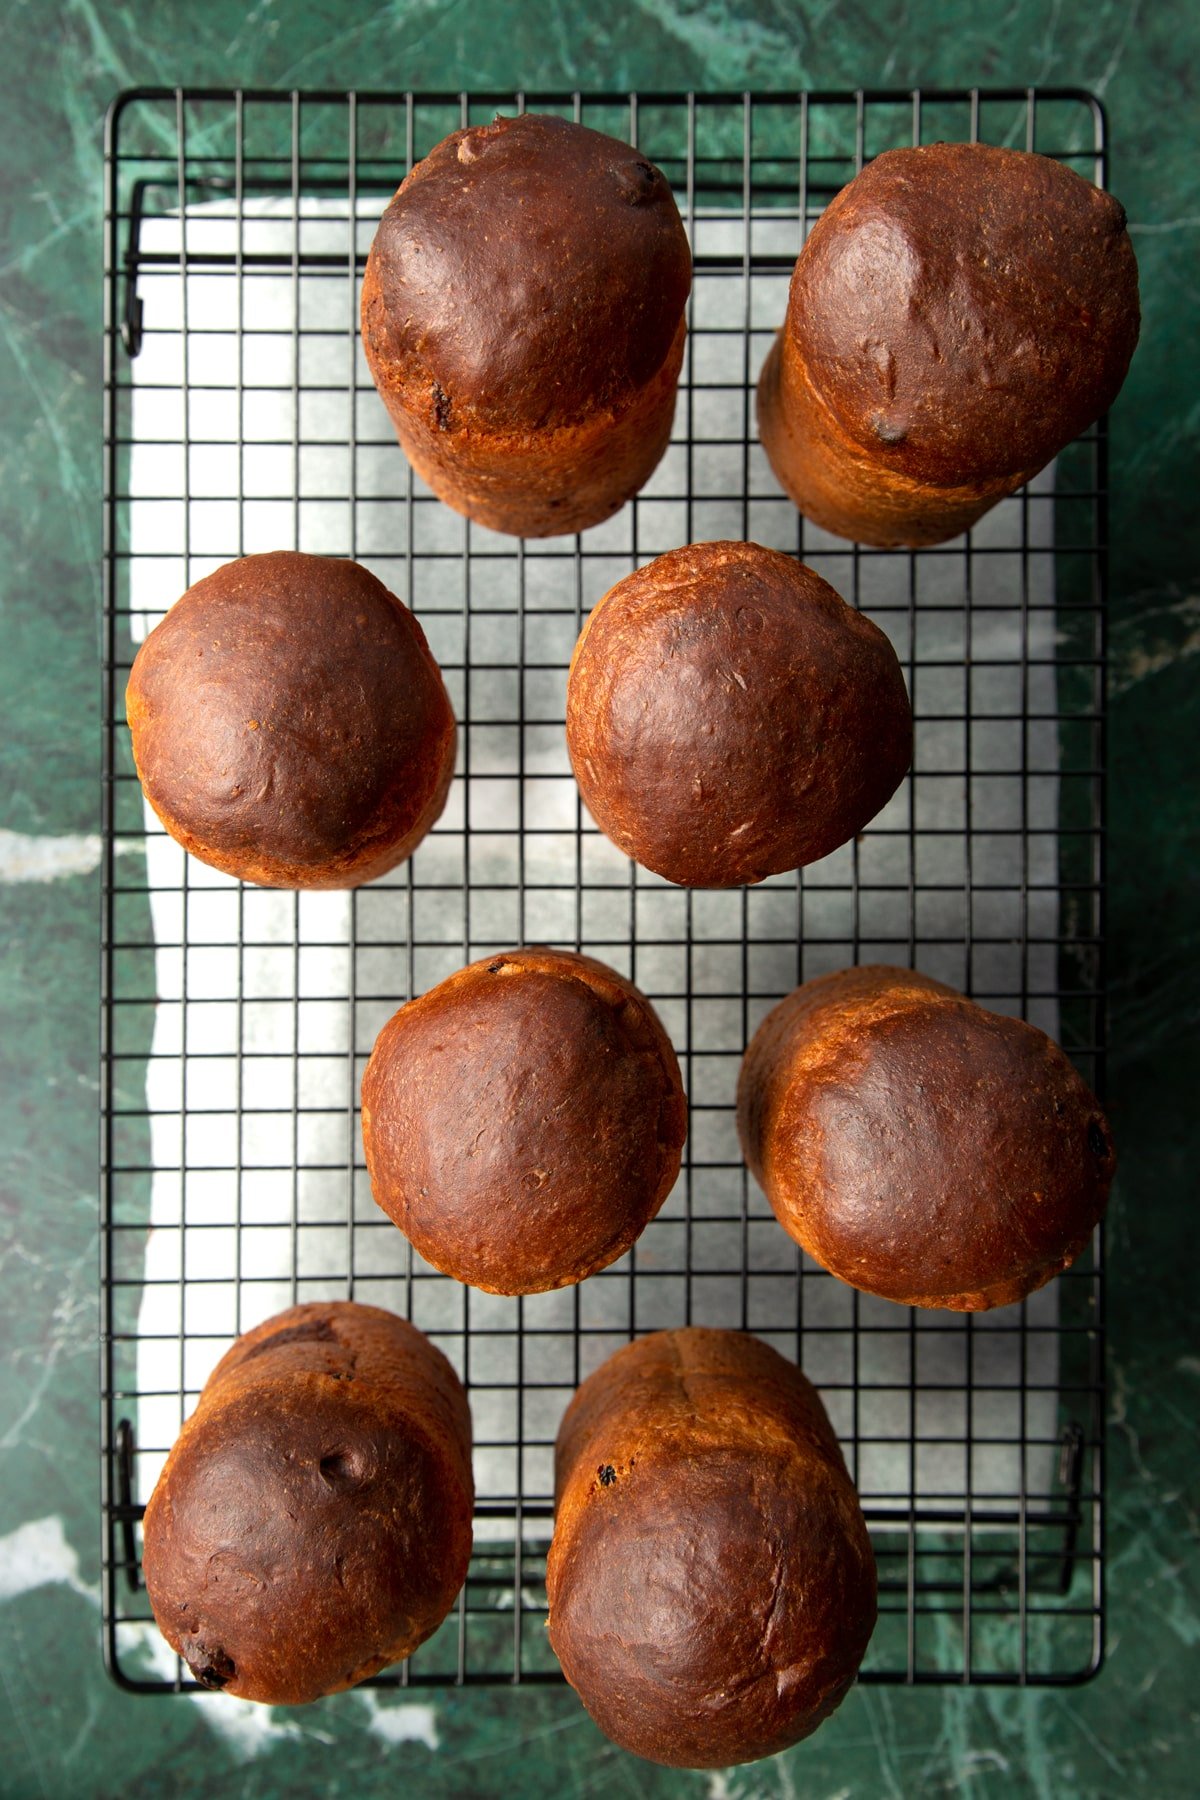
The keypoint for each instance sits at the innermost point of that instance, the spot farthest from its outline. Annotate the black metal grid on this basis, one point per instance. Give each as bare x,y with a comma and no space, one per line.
977,1443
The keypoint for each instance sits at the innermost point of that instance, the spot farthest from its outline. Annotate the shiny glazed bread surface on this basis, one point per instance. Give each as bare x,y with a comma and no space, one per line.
524,1120
918,1146
958,314
522,317
711,1581
313,1520
729,717
289,723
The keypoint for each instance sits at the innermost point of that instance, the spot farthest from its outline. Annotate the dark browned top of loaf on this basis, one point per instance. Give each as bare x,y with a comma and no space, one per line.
919,1146
523,1120
964,311
730,717
288,711
533,269
711,1581
313,1521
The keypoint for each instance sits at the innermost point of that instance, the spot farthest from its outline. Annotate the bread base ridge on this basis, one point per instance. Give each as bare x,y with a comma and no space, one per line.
365,862
525,483
837,485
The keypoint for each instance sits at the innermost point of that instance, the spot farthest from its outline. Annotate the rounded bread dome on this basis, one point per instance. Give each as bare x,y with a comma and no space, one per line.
523,1121
964,311
533,269
289,723
711,1582
729,717
918,1146
313,1520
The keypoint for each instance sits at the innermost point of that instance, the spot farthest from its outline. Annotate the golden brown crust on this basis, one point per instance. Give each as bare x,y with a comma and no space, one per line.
729,717
313,1520
523,1121
711,1580
839,485
289,723
522,317
958,314
919,1147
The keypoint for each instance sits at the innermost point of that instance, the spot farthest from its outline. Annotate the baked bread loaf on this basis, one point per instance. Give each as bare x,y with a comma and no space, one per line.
523,320
711,1581
523,1121
730,717
919,1147
289,723
958,315
313,1521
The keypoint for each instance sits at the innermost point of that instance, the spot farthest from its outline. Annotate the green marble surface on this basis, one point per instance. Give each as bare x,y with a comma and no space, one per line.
64,1730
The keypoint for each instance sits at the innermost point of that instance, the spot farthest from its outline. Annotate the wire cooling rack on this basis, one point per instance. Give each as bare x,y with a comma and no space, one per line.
236,1021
